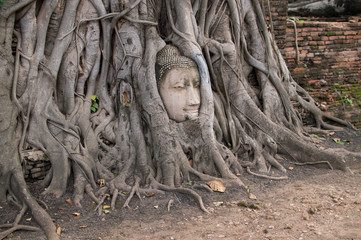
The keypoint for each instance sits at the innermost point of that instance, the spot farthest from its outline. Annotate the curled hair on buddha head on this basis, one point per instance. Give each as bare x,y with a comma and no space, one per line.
170,58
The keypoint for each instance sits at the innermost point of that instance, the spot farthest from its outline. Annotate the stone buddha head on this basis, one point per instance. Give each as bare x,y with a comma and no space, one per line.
178,84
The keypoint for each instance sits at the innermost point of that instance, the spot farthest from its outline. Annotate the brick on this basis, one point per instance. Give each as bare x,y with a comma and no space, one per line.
324,38
350,33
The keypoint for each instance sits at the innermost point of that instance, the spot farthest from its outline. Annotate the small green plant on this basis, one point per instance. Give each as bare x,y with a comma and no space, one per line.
190,183
248,205
95,103
347,100
295,19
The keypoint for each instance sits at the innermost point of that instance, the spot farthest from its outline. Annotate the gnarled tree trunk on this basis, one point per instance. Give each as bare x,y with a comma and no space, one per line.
84,89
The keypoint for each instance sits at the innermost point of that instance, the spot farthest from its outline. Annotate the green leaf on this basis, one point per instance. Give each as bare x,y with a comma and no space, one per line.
95,105
93,109
314,135
189,183
94,98
339,142
349,101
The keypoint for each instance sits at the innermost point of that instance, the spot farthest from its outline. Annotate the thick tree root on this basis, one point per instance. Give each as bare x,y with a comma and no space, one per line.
132,192
313,163
16,226
266,176
187,191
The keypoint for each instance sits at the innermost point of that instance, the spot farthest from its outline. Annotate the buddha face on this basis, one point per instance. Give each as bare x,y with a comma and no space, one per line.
179,91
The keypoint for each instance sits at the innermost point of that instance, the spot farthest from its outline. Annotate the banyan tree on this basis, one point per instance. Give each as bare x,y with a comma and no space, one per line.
144,95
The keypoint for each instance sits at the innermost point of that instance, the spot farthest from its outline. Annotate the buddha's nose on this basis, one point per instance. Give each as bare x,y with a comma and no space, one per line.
193,96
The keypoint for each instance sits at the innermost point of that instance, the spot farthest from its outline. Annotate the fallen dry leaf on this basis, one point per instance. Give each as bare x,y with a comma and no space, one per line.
83,226
217,204
331,133
217,186
68,201
62,208
101,182
126,101
106,211
305,216
58,230
150,195
91,206
336,139
252,196
290,168
76,214
106,206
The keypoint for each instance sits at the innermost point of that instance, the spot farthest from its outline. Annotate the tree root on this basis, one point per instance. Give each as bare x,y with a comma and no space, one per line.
265,176
131,194
313,163
188,191
16,226
170,204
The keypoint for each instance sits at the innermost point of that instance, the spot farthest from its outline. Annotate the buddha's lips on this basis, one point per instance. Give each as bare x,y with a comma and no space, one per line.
191,111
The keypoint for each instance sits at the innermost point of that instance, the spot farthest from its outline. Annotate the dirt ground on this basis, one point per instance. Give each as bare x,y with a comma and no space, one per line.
313,203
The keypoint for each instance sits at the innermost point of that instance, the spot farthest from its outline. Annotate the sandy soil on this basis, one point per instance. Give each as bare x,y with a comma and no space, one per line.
314,203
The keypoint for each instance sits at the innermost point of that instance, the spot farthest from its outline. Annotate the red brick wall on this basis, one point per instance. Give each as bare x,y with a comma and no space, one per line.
279,19
330,64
